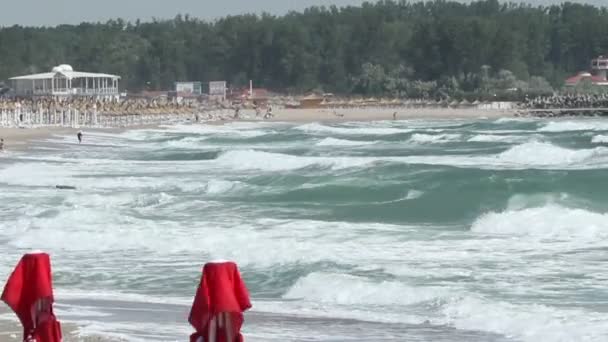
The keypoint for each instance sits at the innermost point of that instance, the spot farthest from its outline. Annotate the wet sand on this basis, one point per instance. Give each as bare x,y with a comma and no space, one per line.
11,331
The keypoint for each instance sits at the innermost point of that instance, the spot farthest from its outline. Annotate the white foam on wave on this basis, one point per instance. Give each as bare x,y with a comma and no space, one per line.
344,289
524,156
530,155
434,138
414,194
497,138
267,161
111,296
91,176
343,142
541,154
353,130
187,143
410,195
549,221
220,186
233,131
528,323
600,139
511,120
575,125
93,230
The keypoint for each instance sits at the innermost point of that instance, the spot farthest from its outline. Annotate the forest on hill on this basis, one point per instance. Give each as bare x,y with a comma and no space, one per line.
397,48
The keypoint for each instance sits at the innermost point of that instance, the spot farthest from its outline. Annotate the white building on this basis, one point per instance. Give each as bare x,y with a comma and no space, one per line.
599,66
64,81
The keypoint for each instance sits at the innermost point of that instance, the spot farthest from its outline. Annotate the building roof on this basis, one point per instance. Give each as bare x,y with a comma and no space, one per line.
66,71
574,80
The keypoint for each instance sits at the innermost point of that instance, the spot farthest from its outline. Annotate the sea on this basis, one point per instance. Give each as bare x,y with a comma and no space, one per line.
488,230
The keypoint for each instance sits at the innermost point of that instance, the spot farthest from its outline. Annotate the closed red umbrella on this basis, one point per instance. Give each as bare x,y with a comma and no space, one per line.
29,293
221,299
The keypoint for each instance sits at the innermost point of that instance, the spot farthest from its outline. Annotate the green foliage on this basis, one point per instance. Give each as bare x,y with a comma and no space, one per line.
434,49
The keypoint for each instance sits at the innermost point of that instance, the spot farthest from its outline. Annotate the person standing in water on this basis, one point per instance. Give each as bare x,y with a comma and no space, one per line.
79,135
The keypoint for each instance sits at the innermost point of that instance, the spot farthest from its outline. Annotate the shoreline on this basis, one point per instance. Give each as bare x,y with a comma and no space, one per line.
19,138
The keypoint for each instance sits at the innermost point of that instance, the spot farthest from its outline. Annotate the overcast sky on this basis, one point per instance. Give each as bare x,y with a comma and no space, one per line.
53,12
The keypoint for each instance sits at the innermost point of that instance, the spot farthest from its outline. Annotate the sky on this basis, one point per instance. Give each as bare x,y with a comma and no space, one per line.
54,12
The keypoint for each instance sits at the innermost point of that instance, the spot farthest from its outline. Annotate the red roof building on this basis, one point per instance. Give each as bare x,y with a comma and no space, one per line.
584,76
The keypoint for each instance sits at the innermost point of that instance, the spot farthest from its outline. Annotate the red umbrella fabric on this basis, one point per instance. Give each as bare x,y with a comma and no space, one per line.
29,293
221,299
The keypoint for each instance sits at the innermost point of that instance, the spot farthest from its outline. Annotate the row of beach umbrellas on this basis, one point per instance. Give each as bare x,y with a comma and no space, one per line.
216,314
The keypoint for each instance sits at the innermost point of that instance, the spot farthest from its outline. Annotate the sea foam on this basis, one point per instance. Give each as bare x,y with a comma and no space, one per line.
551,221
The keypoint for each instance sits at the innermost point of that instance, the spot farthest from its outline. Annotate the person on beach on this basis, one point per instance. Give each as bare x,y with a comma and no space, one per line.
395,116
237,111
1,144
257,109
268,113
79,135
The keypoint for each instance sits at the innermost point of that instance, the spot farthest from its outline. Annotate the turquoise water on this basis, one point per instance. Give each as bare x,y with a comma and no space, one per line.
446,230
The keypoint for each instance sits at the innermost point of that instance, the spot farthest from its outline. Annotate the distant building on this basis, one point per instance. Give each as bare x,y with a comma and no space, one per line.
64,81
193,88
599,67
218,90
597,76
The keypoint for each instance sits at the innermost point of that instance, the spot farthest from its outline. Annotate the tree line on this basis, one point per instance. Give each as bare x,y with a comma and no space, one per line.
398,48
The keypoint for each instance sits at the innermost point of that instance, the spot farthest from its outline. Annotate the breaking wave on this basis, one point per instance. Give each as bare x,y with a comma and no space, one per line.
267,161
546,154
490,138
578,125
319,128
600,139
344,289
343,142
432,138
551,220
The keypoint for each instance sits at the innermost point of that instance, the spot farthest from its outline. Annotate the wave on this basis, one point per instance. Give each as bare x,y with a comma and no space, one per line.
546,154
186,143
434,138
531,155
218,186
511,120
549,221
575,125
528,323
524,156
600,139
343,142
234,131
319,128
267,161
497,138
411,195
342,289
